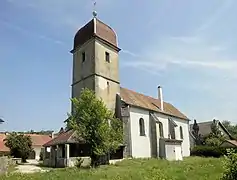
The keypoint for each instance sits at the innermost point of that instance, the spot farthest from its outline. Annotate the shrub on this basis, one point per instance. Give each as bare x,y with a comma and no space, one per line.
79,162
230,165
208,151
41,156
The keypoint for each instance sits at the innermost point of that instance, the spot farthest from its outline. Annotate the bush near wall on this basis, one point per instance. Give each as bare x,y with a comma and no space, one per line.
209,151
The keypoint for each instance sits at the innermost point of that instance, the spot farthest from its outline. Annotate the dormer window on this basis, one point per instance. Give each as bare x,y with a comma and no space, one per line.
83,56
172,126
107,57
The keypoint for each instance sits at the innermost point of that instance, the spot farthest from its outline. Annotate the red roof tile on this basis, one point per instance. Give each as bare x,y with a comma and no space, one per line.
147,102
3,148
63,138
37,140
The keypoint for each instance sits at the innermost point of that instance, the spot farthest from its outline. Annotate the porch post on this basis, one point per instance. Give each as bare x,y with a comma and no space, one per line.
44,152
58,151
67,149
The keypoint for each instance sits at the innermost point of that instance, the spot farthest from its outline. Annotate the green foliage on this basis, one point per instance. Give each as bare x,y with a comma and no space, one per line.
214,141
208,151
230,165
215,138
41,156
192,168
96,125
20,145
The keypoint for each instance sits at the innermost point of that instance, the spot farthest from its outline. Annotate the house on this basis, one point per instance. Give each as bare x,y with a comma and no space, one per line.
38,141
152,127
3,149
205,128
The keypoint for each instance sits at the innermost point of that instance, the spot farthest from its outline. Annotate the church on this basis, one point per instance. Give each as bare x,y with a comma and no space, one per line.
152,127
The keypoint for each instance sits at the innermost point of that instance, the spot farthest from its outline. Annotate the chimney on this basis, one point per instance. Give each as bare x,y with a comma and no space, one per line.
160,97
52,134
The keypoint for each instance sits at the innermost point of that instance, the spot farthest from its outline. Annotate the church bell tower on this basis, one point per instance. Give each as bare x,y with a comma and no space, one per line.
96,61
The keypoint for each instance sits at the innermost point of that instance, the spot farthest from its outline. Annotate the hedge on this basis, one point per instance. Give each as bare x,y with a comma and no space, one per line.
209,151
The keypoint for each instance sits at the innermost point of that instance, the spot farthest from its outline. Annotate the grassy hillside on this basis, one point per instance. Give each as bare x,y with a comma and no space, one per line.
191,169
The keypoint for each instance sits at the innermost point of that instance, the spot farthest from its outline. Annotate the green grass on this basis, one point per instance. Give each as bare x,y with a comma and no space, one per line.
192,168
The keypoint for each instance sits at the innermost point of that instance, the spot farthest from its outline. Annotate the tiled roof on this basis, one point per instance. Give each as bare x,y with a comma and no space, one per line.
63,138
147,102
37,140
95,28
205,128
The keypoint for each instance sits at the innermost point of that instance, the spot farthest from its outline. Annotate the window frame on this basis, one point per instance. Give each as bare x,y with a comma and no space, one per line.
181,132
107,57
83,56
161,130
142,127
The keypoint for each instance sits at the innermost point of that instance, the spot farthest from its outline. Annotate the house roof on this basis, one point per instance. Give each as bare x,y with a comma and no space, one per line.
3,148
140,100
233,142
63,138
37,140
205,128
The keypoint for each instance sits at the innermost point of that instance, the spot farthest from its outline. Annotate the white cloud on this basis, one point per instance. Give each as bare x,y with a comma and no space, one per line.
30,33
216,15
187,39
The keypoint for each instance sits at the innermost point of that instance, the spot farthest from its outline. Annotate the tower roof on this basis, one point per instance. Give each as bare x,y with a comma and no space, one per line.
95,28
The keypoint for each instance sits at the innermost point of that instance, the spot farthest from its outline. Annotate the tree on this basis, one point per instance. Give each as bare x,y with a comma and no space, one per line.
96,125
20,145
195,132
215,138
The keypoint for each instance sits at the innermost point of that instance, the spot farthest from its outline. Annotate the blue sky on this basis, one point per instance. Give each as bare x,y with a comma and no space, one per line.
187,46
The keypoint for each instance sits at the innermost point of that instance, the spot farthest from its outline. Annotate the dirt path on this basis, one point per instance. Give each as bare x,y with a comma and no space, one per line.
29,167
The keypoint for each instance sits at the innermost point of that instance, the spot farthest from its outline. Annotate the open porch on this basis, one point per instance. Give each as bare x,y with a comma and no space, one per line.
66,149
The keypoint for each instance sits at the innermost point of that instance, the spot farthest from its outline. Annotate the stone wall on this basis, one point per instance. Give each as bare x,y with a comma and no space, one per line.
3,165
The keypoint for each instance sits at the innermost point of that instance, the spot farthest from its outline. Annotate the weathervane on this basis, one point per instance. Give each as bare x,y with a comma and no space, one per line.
94,11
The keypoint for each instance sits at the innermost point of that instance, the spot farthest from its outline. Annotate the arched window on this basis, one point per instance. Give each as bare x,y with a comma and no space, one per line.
161,129
142,127
181,132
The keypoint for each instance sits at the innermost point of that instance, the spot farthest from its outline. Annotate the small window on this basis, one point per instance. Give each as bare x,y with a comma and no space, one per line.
142,127
83,56
107,57
181,132
161,129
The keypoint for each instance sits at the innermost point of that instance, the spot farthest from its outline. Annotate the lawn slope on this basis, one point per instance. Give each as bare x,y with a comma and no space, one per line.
192,168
